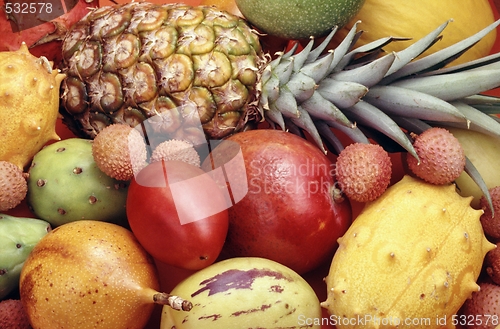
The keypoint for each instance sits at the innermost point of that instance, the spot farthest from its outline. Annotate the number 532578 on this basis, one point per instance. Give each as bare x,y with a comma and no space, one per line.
28,8
475,320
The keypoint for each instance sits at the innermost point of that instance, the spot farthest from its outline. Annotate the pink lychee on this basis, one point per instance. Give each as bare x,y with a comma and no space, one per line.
491,220
363,171
442,158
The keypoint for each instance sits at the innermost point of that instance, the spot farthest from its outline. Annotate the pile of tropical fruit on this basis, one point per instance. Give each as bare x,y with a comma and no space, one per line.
251,164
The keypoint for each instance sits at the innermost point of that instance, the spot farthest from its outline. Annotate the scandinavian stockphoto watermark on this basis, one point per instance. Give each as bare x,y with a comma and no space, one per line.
390,321
228,172
227,166
291,178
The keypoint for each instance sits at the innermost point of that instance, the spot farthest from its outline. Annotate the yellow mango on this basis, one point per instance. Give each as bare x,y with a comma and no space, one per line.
410,259
29,105
484,153
415,19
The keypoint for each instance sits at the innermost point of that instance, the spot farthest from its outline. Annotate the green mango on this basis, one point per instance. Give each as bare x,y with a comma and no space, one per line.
298,19
18,236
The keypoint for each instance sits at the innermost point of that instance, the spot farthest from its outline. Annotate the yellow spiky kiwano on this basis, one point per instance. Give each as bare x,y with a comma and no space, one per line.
29,105
410,259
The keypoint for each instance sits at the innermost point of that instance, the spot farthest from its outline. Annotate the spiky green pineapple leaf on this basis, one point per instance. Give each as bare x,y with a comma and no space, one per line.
474,174
441,58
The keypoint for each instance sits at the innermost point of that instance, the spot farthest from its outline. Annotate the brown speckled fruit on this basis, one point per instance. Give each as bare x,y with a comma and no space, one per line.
119,151
90,274
489,220
13,186
482,310
363,171
442,158
176,150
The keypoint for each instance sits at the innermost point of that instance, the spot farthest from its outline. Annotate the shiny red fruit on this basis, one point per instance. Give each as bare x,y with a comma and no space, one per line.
290,212
178,213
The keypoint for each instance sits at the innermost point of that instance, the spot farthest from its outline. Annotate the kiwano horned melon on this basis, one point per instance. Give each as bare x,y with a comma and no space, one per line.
410,259
29,105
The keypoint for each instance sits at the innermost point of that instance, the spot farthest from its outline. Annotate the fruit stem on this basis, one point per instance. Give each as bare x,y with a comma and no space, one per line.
175,302
337,194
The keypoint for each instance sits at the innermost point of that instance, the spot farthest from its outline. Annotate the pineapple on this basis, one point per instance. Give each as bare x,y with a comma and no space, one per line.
130,62
200,73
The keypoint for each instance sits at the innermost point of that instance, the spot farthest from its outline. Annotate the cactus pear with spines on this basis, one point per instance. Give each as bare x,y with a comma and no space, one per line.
414,253
66,185
29,104
18,236
245,292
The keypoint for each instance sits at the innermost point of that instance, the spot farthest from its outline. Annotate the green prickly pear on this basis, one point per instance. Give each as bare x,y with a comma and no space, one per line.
65,185
18,236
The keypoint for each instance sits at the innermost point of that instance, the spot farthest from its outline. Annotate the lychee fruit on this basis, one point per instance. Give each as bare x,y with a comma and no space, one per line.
119,151
492,264
363,171
13,315
482,306
491,220
176,150
442,158
13,185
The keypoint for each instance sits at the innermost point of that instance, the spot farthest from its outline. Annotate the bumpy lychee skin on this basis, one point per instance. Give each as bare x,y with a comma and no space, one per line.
492,264
13,315
13,186
363,171
442,158
491,220
176,150
119,151
483,305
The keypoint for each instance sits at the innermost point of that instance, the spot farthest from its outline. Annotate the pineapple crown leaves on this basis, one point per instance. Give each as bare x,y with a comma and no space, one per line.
359,91
366,93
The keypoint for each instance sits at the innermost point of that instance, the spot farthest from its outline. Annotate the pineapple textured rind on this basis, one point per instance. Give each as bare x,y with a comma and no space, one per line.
194,66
